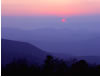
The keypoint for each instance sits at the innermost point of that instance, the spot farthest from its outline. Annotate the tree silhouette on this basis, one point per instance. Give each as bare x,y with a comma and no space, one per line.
61,67
51,67
49,64
80,68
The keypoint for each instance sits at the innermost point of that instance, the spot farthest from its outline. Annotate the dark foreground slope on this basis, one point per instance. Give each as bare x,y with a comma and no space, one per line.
16,56
11,50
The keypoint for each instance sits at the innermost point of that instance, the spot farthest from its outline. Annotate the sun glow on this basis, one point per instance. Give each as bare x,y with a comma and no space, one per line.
50,7
63,20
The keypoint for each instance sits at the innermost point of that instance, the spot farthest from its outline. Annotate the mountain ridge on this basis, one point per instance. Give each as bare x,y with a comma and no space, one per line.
15,49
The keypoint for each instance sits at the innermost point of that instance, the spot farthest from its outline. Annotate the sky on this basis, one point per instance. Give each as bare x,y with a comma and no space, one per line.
60,20
50,7
30,14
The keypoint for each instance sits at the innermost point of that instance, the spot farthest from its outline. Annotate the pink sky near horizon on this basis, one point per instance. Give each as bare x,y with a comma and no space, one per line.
50,7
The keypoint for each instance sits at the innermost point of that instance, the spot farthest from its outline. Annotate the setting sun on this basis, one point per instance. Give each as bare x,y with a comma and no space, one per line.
63,20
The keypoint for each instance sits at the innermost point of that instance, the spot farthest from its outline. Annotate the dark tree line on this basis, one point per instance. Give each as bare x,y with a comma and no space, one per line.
51,67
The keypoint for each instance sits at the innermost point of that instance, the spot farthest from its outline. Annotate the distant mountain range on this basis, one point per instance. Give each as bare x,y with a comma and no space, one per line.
66,41
12,50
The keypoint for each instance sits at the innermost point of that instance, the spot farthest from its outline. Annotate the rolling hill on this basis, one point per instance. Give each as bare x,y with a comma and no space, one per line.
11,50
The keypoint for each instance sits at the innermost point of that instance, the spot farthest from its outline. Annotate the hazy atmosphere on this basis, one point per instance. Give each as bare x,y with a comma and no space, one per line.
62,28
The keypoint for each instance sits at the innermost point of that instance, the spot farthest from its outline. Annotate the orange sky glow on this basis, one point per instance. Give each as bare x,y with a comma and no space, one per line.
50,7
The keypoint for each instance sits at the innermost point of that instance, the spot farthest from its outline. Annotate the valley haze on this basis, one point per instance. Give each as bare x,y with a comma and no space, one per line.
78,36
